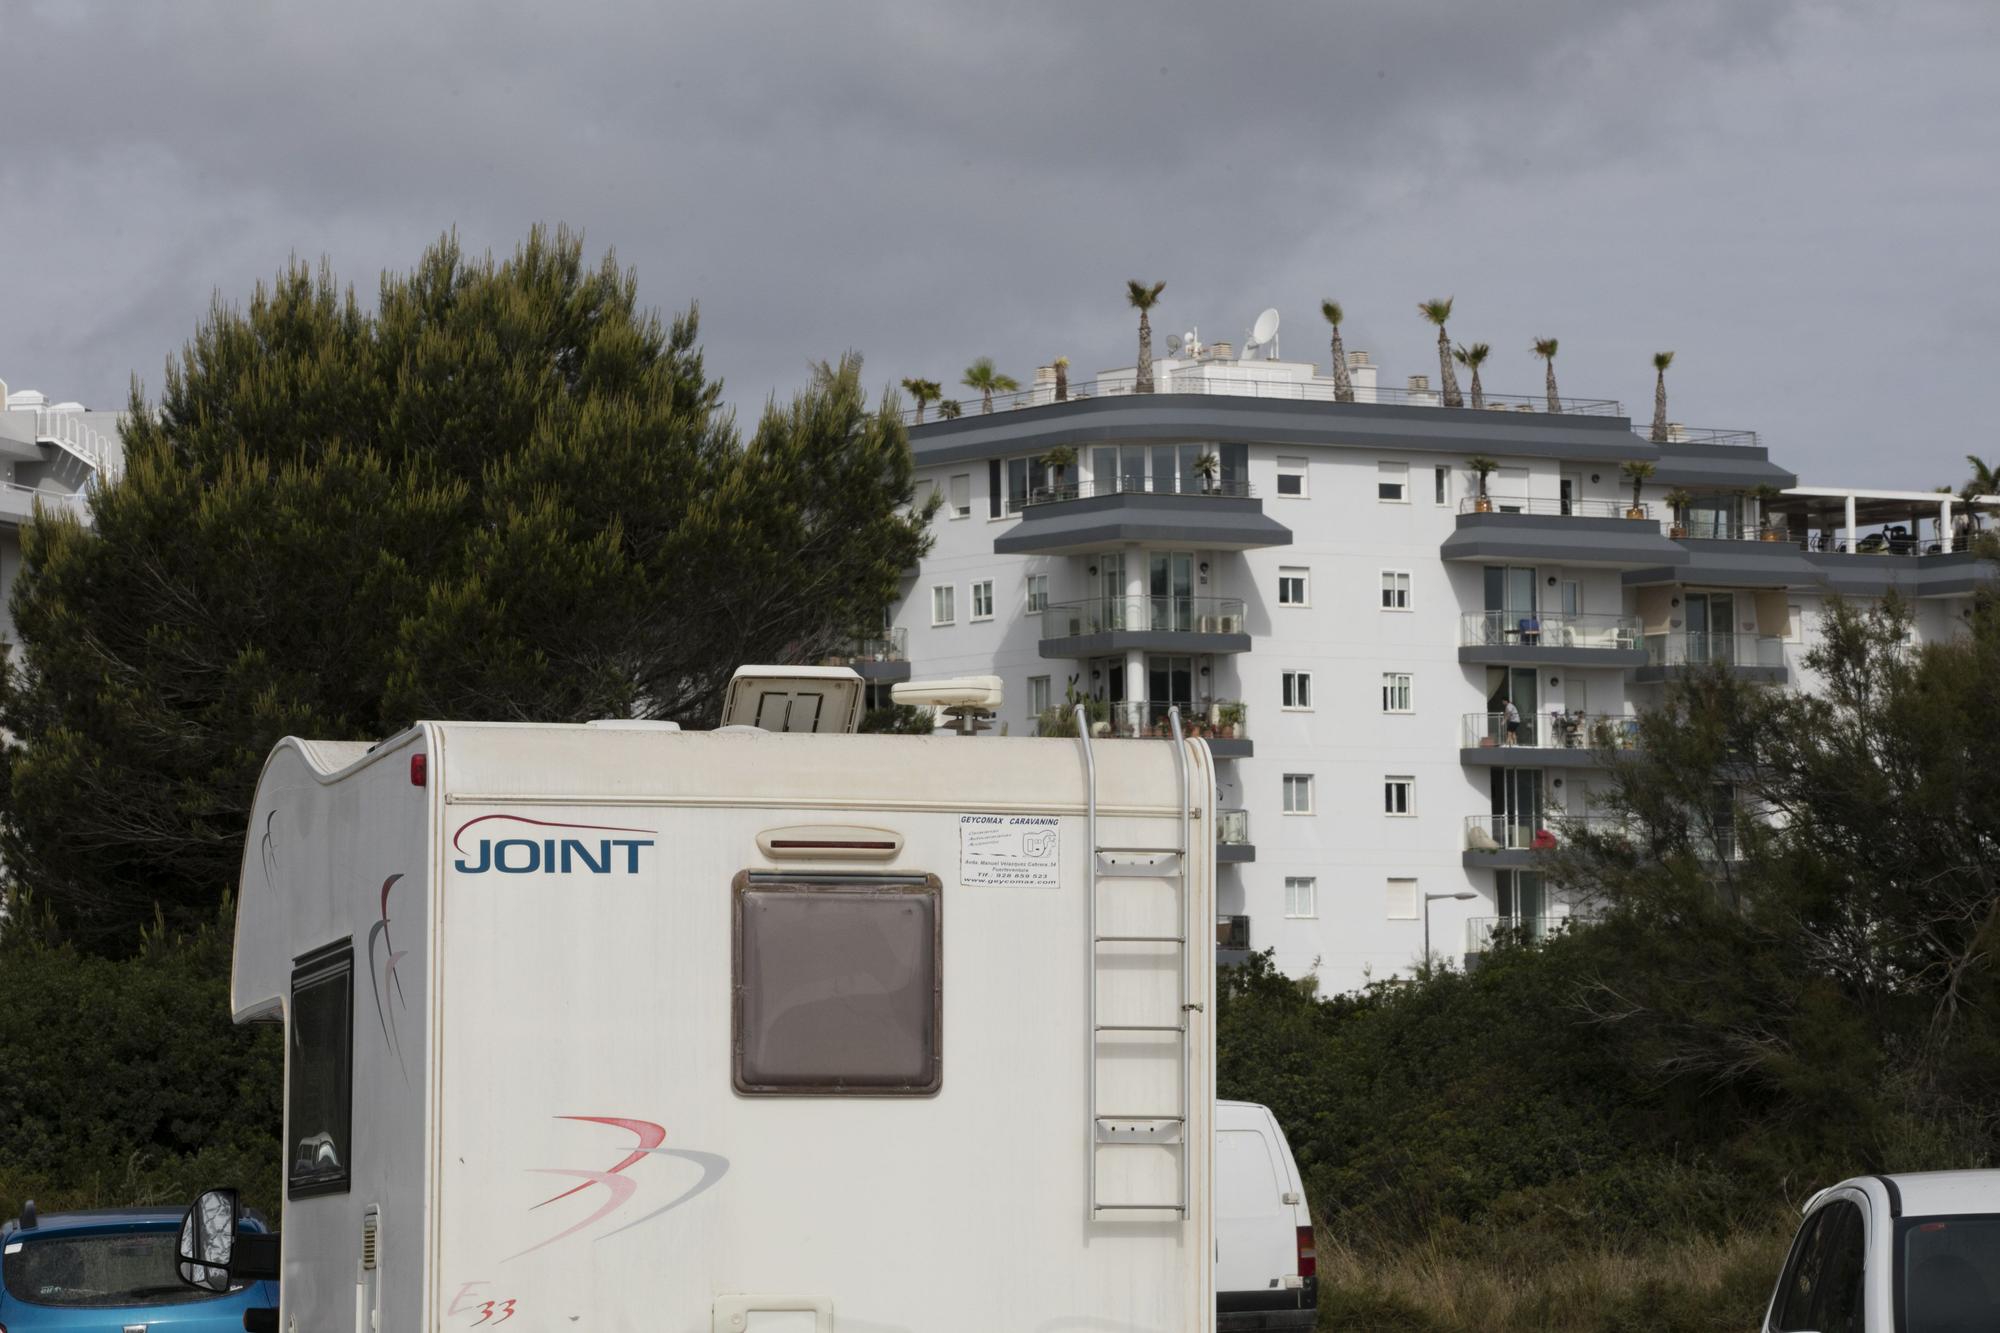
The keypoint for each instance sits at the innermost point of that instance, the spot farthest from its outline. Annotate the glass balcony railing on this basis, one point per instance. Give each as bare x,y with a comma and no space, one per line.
891,645
1516,629
1232,828
1553,731
1194,615
1213,719
1532,833
1482,932
1219,488
1695,648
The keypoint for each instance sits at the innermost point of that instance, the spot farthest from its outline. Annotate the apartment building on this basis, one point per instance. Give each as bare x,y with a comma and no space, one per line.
50,454
1335,597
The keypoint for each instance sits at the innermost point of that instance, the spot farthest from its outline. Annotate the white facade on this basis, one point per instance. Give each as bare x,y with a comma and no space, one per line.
1358,798
50,454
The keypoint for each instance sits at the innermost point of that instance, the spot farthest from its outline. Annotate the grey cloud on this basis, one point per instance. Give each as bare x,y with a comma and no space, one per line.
928,183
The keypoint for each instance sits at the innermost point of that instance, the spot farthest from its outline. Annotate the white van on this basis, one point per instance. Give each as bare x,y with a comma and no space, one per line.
1266,1266
615,1027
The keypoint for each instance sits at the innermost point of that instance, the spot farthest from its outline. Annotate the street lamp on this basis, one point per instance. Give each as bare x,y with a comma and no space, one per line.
1430,898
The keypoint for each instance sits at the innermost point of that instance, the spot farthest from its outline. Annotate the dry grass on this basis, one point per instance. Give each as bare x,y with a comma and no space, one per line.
1444,1286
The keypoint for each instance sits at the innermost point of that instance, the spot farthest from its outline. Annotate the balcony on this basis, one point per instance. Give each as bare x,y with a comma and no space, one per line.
884,658
1528,638
1549,740
1482,933
1752,656
1232,940
1518,841
1220,722
17,503
1522,530
1232,837
1216,514
1156,624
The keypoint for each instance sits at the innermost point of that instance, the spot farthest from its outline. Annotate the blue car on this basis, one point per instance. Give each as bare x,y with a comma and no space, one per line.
112,1270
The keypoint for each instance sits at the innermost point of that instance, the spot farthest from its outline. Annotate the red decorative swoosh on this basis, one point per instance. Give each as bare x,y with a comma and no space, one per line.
619,1187
541,823
650,1136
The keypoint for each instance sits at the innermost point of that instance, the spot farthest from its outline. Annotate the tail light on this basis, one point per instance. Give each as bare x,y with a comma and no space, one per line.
1308,1253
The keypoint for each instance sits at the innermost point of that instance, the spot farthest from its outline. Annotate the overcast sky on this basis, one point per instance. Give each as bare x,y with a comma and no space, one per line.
1799,199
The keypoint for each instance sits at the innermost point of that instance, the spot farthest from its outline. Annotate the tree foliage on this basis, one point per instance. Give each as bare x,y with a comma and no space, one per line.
507,492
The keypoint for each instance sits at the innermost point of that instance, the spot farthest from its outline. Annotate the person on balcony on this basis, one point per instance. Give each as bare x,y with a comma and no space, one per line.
1511,721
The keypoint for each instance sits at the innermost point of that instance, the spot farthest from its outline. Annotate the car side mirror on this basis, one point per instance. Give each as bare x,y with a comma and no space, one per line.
215,1254
208,1240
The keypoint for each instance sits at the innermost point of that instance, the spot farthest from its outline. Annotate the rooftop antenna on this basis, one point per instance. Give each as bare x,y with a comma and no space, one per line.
1173,344
1263,334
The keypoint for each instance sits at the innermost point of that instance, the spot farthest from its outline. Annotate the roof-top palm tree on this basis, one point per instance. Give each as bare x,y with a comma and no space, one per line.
951,409
1661,360
1545,348
1985,480
982,376
1061,365
1472,358
1343,384
1142,298
1437,311
1638,472
924,391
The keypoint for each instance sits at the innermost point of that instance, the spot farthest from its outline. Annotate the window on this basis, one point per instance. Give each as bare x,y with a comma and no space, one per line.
982,600
1395,590
1292,586
1025,477
1402,900
1301,896
97,1270
1395,691
961,495
1038,592
1292,476
1822,1285
838,986
319,1096
1795,625
1038,695
944,608
1392,483
921,495
1399,796
1298,793
1441,485
1298,689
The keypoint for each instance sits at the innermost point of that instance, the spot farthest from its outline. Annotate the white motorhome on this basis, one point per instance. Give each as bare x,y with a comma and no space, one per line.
617,1027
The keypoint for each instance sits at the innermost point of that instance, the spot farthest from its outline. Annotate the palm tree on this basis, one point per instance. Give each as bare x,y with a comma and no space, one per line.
1661,360
1437,312
1482,467
950,409
1472,358
1545,348
1059,461
1062,379
1985,481
1141,297
1343,384
980,375
924,391
1638,473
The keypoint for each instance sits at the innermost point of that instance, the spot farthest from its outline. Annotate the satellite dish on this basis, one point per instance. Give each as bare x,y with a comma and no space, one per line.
1265,329
1173,344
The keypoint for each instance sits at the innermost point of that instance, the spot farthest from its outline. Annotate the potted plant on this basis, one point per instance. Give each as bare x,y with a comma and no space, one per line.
1768,531
1638,473
1059,461
1062,379
1482,467
1228,719
1678,500
1206,467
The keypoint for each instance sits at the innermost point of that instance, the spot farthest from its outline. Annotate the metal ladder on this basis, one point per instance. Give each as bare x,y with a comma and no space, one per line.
1138,1127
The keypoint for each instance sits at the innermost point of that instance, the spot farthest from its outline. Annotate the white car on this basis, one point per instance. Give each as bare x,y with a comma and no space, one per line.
1266,1269
1913,1253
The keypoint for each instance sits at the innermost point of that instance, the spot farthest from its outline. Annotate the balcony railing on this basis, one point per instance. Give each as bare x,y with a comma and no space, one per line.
1697,648
1219,488
1702,530
18,499
1553,731
1200,378
1553,508
1481,932
1528,833
1196,615
1232,828
1215,719
1232,933
890,646
1547,629
1679,434
68,430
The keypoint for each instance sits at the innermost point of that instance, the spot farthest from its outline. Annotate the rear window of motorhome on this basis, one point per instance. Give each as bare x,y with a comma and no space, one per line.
319,1100
838,987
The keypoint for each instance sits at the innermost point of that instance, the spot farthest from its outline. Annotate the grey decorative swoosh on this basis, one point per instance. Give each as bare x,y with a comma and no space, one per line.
713,1167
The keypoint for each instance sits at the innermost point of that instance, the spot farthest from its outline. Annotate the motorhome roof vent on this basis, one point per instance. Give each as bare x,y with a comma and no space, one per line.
957,692
797,698
632,724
